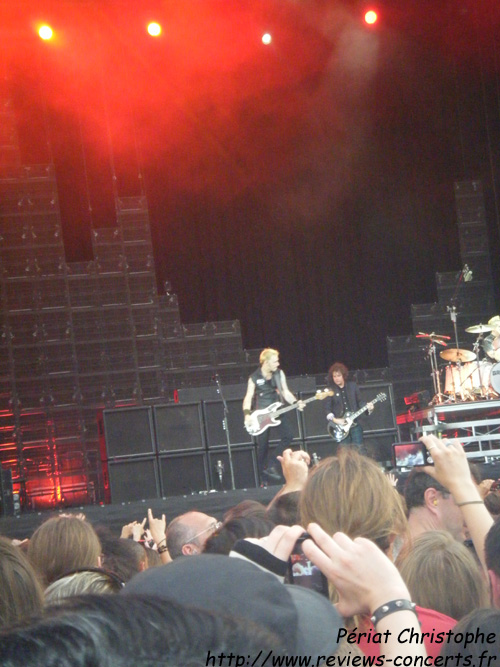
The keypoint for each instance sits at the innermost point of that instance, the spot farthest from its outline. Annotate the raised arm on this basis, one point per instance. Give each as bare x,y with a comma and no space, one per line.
451,469
367,583
158,528
295,466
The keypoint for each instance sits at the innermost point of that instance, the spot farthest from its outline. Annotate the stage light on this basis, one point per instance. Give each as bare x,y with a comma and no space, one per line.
371,17
45,32
266,38
154,29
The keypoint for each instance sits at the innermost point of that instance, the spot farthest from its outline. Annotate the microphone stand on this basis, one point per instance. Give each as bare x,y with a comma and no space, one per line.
452,309
225,426
476,347
431,353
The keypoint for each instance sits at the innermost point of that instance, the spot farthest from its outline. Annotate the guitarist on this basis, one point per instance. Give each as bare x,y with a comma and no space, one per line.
346,398
265,386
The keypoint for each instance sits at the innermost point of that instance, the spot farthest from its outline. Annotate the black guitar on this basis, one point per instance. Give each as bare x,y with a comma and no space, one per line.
340,432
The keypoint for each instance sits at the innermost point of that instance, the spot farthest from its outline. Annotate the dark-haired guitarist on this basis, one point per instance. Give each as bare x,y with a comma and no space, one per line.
266,386
346,398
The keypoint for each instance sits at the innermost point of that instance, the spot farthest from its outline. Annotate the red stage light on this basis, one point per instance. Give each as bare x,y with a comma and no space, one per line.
45,32
266,38
154,29
371,17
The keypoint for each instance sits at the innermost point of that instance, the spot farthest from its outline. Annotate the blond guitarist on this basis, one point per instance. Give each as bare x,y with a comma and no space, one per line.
266,386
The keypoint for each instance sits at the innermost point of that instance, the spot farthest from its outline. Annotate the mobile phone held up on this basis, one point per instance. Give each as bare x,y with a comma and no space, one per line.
302,572
410,455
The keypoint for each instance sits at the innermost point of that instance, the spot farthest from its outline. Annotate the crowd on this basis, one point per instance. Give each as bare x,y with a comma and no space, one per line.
412,576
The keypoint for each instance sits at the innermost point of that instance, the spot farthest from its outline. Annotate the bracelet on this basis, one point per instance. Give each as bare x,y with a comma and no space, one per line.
160,542
247,412
390,607
470,502
161,550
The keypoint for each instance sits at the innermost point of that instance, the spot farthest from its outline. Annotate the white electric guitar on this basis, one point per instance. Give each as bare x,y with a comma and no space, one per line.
340,431
260,420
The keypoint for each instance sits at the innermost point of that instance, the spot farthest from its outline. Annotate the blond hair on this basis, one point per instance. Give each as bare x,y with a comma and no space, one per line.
350,493
442,574
266,354
80,583
22,594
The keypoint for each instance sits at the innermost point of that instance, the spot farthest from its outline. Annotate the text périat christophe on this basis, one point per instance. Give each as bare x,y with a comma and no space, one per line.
410,636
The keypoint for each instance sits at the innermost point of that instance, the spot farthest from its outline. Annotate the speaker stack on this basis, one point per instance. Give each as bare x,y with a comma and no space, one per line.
128,455
181,449
180,440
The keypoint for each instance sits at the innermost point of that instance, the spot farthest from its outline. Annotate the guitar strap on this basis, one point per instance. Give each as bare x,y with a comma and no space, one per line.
278,384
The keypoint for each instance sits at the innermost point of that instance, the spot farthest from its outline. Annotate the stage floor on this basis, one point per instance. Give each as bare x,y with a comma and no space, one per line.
115,516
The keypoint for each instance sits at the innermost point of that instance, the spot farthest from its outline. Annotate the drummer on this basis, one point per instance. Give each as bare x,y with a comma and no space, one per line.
491,343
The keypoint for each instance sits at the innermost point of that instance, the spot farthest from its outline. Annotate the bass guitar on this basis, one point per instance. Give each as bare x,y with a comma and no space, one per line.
260,420
340,432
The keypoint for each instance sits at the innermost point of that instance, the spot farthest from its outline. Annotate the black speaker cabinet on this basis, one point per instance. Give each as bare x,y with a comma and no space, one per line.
322,447
211,393
383,417
293,420
128,432
183,474
133,479
178,427
314,424
214,415
274,450
244,468
379,447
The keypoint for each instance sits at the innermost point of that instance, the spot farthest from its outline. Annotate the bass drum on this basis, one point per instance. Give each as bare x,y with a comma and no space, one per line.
461,379
481,380
495,378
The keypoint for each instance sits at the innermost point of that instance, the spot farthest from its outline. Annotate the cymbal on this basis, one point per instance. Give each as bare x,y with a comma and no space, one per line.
495,324
454,354
479,328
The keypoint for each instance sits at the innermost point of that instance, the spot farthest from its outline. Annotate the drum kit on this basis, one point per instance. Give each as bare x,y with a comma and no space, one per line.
467,376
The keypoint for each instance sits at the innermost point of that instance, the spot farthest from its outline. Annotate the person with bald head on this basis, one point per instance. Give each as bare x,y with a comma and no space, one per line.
187,533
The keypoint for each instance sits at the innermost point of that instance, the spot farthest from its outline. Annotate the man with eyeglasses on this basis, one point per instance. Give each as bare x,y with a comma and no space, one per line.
187,533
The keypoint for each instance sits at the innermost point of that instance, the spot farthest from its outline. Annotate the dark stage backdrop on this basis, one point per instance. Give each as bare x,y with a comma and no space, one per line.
306,189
